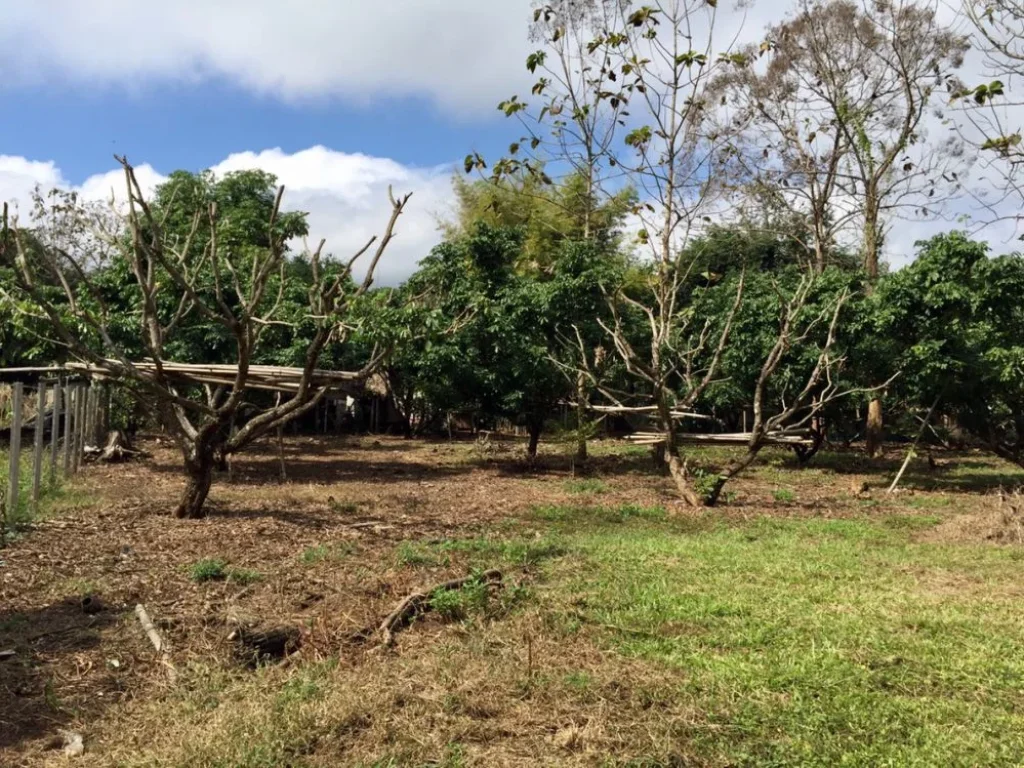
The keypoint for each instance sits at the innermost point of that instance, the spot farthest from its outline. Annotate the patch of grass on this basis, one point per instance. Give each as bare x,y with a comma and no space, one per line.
817,642
457,604
927,502
344,507
414,554
586,485
322,552
597,515
784,495
243,575
487,551
208,569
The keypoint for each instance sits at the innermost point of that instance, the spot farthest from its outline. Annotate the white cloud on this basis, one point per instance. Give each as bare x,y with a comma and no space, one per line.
346,196
460,54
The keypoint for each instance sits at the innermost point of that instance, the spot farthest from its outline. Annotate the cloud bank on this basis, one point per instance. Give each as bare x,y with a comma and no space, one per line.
461,55
346,196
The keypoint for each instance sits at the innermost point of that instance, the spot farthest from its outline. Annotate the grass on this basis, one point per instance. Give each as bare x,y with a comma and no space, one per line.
586,485
215,569
818,642
327,552
784,495
15,520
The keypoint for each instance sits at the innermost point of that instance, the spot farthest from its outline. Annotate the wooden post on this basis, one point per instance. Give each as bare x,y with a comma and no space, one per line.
76,429
69,411
37,446
15,457
80,427
105,413
55,430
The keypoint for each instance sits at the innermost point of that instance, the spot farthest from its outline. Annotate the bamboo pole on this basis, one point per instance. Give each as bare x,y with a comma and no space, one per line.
37,447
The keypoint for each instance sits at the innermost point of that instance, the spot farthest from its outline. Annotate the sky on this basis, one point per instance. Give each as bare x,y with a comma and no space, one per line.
338,98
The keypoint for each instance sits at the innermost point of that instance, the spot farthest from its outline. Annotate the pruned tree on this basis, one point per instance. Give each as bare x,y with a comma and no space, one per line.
213,278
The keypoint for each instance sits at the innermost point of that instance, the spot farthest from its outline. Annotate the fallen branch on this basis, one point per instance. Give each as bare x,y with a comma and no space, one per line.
419,602
156,639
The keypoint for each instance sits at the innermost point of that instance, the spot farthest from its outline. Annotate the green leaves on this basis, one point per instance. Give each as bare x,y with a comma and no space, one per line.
535,60
512,106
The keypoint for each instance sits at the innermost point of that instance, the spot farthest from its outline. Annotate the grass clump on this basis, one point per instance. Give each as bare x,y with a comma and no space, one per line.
215,569
323,552
586,485
784,495
208,569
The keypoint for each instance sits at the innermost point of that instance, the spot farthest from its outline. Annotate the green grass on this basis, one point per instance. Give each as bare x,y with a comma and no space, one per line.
586,485
327,552
815,642
208,569
215,569
15,520
784,495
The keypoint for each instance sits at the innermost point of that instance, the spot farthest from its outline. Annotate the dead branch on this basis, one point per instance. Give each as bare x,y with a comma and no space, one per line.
419,602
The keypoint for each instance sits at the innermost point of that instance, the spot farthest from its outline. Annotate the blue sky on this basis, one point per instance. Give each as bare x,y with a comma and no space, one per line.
196,126
338,98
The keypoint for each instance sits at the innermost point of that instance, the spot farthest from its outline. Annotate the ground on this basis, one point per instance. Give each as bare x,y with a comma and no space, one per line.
811,620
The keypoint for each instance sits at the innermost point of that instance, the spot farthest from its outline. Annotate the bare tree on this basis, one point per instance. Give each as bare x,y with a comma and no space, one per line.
876,69
244,299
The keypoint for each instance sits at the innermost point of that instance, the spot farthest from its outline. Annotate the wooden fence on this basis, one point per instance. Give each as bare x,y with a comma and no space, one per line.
69,414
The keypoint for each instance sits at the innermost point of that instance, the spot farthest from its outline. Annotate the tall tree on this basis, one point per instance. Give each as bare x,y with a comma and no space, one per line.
625,94
876,69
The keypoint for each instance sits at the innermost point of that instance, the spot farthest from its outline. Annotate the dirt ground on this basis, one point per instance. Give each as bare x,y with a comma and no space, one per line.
321,552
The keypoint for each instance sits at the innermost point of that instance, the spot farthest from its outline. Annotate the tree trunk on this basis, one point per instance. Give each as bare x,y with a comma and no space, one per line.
874,430
804,453
582,396
197,488
531,448
730,471
681,476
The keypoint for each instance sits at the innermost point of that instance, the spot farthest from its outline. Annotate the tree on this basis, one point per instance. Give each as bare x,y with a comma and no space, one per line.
956,322
989,111
193,267
875,70
572,239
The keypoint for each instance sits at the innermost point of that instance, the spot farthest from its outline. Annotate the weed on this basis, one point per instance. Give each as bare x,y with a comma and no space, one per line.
344,507
586,485
208,569
784,495
242,575
322,552
412,554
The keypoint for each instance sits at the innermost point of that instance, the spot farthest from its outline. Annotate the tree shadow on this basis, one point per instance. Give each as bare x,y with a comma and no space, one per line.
30,693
